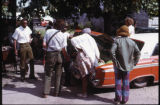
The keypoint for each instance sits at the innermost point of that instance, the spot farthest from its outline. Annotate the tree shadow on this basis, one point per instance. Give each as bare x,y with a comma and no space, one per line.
35,89
72,94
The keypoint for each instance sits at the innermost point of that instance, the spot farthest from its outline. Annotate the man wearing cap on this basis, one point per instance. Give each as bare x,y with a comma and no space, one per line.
22,35
125,55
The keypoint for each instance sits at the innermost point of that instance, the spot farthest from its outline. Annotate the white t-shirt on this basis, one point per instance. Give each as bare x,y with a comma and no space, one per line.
131,30
88,45
22,35
57,42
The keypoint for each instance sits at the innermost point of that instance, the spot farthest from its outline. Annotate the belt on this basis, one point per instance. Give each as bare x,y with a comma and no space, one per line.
53,51
24,43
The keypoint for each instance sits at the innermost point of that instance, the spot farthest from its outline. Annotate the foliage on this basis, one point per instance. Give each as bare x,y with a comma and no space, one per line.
74,8
122,7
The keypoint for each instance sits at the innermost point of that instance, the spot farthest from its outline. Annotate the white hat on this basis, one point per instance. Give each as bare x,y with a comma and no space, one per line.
86,30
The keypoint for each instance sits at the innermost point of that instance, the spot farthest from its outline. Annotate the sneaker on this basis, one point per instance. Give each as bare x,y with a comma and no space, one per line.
123,102
82,95
55,94
32,77
116,101
95,82
45,96
22,79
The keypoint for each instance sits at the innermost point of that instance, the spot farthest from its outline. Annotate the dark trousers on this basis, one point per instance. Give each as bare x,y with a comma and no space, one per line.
53,63
66,66
122,91
26,54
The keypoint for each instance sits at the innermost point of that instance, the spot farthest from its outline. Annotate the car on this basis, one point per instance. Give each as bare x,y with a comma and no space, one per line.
143,74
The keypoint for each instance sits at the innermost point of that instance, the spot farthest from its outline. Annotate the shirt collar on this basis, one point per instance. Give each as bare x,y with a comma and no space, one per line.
22,27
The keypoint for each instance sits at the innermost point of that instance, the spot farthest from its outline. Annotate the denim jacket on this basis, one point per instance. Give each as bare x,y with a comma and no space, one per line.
125,53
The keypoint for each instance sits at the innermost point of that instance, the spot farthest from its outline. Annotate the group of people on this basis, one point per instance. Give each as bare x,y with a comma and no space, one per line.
82,52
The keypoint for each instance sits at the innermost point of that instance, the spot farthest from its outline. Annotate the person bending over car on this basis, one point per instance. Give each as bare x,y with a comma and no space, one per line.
87,57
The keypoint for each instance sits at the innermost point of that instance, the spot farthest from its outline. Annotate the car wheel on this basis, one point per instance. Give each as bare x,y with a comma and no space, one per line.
140,82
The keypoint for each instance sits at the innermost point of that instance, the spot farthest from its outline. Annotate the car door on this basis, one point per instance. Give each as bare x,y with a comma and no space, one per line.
155,65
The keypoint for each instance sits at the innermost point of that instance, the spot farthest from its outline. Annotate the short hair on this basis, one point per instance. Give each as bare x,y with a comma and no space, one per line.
59,24
129,20
24,19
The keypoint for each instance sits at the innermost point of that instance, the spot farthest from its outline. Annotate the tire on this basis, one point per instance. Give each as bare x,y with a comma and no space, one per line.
140,82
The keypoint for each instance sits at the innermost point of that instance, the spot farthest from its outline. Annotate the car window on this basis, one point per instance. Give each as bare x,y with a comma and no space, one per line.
156,50
145,30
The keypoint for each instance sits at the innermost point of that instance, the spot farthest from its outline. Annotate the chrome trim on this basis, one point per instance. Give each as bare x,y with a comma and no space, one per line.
136,67
106,86
146,65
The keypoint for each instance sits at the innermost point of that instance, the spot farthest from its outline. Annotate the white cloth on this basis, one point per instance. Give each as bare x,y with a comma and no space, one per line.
84,64
66,36
57,42
22,35
131,30
89,47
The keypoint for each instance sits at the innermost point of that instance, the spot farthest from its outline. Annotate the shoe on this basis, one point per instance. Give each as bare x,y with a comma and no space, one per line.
22,79
82,95
123,102
32,77
45,96
95,82
116,101
56,94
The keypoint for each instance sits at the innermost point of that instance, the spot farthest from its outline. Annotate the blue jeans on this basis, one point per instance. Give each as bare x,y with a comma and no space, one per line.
121,85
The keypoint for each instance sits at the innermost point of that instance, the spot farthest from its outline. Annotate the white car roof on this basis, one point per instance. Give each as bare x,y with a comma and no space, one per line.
150,40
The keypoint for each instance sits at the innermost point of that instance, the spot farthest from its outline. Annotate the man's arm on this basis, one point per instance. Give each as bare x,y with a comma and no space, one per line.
136,55
113,52
15,48
44,45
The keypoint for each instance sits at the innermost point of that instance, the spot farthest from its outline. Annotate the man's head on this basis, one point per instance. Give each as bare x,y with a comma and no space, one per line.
60,24
123,31
129,21
24,23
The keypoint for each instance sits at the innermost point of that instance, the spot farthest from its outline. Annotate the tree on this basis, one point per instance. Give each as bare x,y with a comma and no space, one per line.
111,9
68,8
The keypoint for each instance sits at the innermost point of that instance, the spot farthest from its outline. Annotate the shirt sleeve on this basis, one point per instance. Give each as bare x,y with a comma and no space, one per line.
97,53
75,42
15,35
29,31
65,37
113,52
44,39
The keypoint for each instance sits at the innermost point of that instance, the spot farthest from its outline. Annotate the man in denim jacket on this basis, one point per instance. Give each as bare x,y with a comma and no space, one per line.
125,55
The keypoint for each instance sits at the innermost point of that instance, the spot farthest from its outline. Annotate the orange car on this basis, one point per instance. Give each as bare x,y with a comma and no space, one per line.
145,72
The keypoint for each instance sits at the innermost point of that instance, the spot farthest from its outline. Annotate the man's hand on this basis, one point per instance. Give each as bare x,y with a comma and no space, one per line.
16,52
100,60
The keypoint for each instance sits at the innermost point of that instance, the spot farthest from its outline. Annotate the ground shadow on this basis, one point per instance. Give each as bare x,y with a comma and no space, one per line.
67,92
36,89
